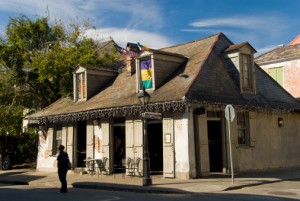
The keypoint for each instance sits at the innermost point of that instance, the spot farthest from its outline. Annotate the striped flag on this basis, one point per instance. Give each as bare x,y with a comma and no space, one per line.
146,73
126,53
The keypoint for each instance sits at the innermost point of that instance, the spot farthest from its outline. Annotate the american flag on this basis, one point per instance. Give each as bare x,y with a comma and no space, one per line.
127,53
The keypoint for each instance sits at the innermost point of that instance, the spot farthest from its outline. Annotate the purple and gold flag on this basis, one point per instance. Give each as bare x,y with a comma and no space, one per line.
146,73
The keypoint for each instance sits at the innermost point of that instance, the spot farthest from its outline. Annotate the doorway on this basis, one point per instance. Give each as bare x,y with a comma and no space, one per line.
215,145
81,143
119,144
155,146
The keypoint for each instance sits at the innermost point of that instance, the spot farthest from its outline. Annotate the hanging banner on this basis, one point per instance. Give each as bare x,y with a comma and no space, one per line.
146,73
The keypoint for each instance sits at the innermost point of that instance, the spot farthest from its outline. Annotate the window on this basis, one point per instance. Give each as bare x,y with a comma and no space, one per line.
243,128
246,71
81,88
57,139
276,74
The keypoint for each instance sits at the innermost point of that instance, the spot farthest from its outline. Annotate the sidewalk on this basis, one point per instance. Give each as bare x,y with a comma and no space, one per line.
214,183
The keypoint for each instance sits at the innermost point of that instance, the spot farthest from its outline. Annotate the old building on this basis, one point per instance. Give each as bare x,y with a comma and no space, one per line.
190,85
283,65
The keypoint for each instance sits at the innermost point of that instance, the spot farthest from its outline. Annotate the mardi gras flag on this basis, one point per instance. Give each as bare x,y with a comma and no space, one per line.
146,73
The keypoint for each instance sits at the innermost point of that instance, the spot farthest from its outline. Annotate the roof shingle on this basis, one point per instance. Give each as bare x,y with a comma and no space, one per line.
205,77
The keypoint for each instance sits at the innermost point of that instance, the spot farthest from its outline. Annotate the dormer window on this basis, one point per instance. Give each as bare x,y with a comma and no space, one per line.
81,86
246,71
145,72
154,67
88,81
240,56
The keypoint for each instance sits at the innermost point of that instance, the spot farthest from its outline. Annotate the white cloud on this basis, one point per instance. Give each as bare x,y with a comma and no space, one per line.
135,17
244,22
259,23
262,31
136,12
57,8
122,36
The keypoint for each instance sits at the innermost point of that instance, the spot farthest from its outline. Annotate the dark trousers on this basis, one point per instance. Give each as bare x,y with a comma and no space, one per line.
63,180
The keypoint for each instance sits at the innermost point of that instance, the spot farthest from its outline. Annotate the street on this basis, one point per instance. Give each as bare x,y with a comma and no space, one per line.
283,189
19,192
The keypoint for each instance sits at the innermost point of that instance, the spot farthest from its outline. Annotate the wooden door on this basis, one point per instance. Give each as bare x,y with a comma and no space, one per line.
90,140
106,148
168,148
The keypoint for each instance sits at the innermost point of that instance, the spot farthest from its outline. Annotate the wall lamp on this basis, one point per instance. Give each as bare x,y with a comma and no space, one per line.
280,122
96,122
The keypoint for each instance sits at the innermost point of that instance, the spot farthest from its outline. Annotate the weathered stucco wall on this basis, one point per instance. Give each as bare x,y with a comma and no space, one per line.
272,146
184,146
98,136
44,159
181,146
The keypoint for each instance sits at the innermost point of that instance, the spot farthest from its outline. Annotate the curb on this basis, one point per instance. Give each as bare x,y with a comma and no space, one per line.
14,182
130,188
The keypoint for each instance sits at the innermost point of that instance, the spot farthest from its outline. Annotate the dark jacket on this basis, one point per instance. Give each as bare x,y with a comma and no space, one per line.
62,161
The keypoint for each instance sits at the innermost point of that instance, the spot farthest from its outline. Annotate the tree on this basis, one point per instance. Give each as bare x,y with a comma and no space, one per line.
41,57
36,63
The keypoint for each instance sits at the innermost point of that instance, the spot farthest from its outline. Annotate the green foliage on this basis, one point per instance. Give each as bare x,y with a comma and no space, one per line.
37,59
26,148
40,58
22,148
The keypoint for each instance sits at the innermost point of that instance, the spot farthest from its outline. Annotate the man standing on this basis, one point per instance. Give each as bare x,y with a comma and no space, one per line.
62,166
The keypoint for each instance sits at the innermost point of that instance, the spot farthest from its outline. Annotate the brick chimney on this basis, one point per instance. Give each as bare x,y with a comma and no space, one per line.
130,65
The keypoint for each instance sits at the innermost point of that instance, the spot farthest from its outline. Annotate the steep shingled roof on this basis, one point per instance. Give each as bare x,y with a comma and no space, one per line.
281,53
238,46
204,78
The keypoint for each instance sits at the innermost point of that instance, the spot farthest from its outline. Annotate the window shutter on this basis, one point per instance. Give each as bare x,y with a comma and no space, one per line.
83,85
138,138
168,148
279,75
90,140
50,141
106,143
129,139
252,126
276,74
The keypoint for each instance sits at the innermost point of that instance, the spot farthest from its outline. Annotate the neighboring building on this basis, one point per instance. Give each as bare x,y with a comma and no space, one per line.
283,65
190,84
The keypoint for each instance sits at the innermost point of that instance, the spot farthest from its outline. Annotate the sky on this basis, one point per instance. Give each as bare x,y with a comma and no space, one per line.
265,24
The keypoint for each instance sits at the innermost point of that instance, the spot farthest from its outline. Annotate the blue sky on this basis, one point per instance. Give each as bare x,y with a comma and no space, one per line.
160,23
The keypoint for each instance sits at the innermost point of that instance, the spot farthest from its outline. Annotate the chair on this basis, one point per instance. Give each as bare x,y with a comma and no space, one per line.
99,165
139,166
90,165
102,165
105,165
130,166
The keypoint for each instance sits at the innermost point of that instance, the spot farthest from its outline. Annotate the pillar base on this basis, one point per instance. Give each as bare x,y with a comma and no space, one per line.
147,181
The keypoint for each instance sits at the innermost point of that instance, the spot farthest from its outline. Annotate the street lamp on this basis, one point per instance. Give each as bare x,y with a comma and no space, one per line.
147,181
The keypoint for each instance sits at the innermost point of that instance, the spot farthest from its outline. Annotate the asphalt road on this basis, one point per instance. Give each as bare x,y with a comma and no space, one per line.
281,189
19,193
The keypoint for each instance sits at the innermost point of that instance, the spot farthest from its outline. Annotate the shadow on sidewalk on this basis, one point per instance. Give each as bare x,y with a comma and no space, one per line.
18,177
128,188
